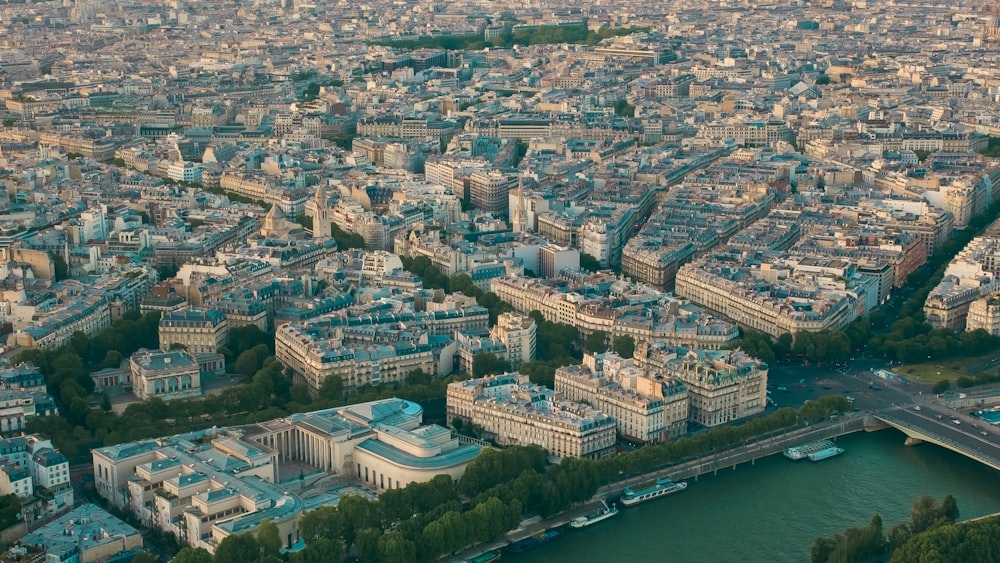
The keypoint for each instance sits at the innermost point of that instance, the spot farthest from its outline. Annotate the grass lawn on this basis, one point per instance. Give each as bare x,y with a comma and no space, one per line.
932,372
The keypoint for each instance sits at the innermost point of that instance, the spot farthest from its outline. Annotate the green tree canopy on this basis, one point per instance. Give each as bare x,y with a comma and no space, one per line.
269,538
624,345
488,363
596,342
192,555
239,548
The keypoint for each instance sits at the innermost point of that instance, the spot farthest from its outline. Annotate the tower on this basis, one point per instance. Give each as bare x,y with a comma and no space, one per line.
321,218
518,217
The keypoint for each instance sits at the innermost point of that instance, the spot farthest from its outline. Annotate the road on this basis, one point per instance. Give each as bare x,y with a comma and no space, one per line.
856,380
971,435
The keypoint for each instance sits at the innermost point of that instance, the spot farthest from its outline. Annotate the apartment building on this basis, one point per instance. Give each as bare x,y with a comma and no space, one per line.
984,313
29,462
315,350
489,191
17,407
198,330
723,385
518,332
645,405
971,275
513,411
86,534
638,311
764,299
88,314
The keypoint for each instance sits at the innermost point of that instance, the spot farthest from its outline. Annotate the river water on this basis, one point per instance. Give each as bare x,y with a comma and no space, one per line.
772,511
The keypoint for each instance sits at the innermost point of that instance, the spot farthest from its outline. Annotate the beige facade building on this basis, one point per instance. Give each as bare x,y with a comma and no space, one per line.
772,310
87,534
168,375
646,314
513,411
723,385
645,405
206,485
984,313
200,331
518,332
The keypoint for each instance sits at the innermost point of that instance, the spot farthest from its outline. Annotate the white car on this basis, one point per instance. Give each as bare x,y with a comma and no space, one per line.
956,421
916,407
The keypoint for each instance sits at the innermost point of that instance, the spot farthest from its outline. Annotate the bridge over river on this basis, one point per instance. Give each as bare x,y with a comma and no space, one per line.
926,422
935,424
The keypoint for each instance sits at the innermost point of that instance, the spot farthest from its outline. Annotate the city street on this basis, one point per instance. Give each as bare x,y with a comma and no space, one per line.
793,384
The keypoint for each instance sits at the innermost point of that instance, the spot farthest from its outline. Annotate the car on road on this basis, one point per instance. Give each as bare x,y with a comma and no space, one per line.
984,433
916,407
850,399
827,387
802,381
782,388
956,421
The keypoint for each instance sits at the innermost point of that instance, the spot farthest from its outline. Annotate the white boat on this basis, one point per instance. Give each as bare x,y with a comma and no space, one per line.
796,453
824,454
602,514
661,488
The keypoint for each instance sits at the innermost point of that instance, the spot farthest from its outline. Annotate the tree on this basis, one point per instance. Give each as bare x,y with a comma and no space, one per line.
395,548
356,512
589,263
112,359
623,108
332,388
241,548
324,522
145,557
928,514
596,342
60,269
941,386
783,346
624,345
321,550
488,363
758,345
367,543
247,364
192,555
269,538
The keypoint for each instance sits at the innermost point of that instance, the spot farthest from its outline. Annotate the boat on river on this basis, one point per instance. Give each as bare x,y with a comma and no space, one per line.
825,453
533,541
796,453
601,515
488,557
661,488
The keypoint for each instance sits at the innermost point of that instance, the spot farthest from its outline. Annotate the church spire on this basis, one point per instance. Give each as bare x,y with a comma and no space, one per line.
321,217
519,217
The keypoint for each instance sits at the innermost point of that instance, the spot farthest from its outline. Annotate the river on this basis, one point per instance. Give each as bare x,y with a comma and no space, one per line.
772,511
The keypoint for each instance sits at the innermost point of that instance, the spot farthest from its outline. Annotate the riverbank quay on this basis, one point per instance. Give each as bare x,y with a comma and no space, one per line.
725,459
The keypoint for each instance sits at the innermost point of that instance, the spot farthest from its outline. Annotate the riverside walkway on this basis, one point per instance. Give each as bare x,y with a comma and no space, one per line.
725,459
